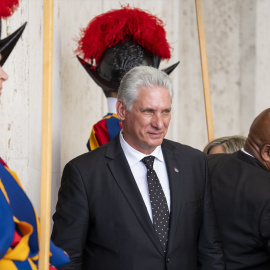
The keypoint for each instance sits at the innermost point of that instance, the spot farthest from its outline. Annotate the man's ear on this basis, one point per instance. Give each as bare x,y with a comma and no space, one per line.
265,152
121,109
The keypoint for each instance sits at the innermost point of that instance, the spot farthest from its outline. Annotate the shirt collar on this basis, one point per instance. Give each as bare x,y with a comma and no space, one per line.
133,156
111,102
243,150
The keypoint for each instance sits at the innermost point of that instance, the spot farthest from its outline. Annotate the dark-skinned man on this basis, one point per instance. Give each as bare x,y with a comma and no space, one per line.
241,189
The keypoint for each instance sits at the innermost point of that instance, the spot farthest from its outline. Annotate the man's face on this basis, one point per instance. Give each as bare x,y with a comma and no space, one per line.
3,76
145,126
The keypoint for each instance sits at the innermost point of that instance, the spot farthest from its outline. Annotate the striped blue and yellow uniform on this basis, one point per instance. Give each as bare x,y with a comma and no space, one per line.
19,227
104,131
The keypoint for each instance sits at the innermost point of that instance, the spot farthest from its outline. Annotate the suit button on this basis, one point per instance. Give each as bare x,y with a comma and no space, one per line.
167,260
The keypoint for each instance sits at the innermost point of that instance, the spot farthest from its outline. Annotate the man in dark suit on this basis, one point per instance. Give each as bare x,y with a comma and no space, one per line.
109,216
241,188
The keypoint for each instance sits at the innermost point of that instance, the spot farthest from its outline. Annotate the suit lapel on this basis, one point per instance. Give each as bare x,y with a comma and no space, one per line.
174,174
123,176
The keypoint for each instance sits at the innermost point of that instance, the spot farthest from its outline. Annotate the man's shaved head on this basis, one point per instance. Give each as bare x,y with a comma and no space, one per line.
258,141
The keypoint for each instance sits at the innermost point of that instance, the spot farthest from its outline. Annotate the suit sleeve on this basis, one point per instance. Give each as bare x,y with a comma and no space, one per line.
265,226
71,219
210,252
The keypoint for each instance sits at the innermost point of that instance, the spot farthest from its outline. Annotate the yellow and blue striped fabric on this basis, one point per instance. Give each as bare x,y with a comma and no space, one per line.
19,227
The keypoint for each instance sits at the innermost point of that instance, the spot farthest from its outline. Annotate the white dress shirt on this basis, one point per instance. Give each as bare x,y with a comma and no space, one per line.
139,172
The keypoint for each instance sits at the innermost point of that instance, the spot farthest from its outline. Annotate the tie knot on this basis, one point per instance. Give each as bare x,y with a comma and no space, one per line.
148,161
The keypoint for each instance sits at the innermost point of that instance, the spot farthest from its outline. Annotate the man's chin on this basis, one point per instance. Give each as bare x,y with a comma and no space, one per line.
155,142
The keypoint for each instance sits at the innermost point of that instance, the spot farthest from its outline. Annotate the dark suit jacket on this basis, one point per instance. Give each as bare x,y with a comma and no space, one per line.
103,224
241,188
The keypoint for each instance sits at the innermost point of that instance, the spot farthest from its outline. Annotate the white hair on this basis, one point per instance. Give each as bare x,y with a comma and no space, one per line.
140,77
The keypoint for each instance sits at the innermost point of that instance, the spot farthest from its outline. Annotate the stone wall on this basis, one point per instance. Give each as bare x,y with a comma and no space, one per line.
237,42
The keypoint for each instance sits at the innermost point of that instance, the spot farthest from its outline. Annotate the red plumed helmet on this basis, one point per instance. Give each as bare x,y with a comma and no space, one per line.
115,26
118,40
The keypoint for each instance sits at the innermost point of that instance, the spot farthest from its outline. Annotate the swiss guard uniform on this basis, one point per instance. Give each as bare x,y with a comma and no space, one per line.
111,45
104,131
19,224
19,227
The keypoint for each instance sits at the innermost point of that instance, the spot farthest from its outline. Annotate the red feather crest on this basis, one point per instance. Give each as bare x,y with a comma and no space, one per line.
7,7
116,26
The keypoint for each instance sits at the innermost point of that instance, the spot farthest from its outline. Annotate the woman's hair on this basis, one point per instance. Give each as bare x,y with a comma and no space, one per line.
140,77
230,144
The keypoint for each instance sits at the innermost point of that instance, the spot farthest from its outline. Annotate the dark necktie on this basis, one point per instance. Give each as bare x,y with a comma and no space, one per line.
158,200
